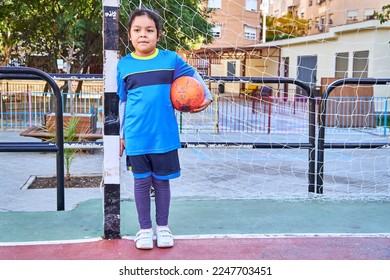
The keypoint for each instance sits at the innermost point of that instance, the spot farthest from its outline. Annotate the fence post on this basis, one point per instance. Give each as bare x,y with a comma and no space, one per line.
385,118
269,113
216,106
181,122
111,121
29,109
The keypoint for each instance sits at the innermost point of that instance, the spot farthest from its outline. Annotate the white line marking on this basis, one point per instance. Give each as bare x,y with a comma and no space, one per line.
211,236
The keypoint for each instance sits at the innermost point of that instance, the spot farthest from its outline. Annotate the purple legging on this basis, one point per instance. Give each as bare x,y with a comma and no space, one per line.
142,200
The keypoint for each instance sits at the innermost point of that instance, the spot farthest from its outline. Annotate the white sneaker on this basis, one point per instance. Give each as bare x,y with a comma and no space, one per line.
164,237
144,239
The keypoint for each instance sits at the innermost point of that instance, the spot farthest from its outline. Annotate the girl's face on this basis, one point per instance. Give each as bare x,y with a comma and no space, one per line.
143,35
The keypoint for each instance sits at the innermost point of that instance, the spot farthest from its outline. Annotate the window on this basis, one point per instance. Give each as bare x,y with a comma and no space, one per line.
302,13
317,22
341,70
321,25
352,15
231,68
216,31
369,14
330,19
214,4
251,5
360,64
250,33
310,24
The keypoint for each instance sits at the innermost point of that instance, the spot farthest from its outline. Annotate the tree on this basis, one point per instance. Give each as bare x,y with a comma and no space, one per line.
9,25
384,15
71,30
56,29
83,23
288,26
185,25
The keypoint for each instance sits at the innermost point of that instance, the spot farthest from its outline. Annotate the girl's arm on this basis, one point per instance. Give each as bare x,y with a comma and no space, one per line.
208,98
122,108
207,93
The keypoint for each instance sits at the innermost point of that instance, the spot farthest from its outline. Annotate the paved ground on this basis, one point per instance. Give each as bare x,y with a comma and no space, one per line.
206,218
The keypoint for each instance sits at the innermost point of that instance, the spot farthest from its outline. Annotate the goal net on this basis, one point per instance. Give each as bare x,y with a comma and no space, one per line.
253,140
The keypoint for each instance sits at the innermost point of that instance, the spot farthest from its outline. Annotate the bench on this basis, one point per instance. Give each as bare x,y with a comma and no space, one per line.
41,133
249,90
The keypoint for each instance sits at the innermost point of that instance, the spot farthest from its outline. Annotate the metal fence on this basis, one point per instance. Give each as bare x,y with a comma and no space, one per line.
245,116
269,115
26,105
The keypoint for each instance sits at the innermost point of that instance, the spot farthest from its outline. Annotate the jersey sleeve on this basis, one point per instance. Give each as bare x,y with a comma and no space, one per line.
120,85
207,93
182,68
122,108
122,100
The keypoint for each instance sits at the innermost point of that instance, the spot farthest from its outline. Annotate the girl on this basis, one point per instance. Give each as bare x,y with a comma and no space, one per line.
149,130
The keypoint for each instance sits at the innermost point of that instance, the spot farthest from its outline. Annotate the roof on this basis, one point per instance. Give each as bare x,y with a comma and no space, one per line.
332,34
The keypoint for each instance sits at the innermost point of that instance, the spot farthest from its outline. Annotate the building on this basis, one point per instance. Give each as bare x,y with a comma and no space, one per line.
237,23
324,14
359,50
350,45
238,26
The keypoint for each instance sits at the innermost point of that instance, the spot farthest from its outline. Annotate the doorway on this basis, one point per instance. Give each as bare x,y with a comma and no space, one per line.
307,72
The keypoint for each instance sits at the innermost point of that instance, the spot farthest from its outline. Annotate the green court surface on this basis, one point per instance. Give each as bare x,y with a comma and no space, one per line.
208,217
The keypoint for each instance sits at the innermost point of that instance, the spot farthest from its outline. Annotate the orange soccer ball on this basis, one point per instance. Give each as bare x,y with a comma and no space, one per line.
187,94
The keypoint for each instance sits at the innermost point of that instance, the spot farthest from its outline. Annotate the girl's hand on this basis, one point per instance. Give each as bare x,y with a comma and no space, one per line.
202,106
121,147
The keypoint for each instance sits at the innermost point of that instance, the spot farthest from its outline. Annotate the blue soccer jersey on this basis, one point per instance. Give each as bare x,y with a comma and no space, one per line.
149,124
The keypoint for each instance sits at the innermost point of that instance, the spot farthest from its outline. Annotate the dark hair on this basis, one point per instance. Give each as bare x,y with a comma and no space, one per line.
149,13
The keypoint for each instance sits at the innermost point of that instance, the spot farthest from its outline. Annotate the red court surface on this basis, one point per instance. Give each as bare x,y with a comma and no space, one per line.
263,248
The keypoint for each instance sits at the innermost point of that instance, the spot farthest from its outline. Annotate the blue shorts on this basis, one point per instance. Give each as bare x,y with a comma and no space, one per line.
161,166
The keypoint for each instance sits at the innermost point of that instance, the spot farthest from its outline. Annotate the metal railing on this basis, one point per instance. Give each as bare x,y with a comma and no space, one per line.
310,145
323,122
20,109
273,114
25,104
58,147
